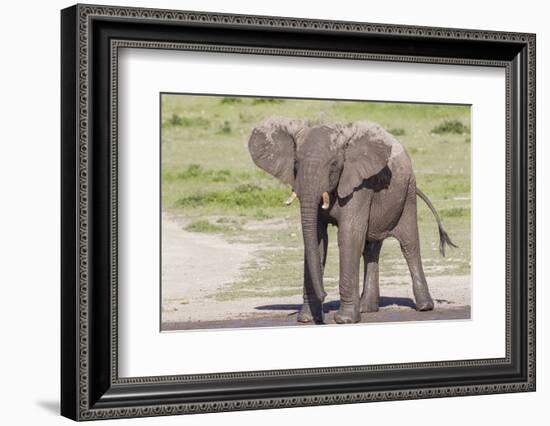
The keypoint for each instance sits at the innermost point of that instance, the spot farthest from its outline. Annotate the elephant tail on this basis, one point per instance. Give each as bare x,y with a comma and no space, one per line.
443,236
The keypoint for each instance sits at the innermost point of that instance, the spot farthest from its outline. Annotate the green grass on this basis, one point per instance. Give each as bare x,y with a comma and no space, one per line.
256,101
209,179
178,120
456,212
261,215
243,196
451,126
198,172
230,100
397,131
204,226
225,128
223,225
444,185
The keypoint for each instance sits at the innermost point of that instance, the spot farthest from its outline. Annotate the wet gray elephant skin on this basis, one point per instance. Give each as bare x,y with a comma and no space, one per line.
360,178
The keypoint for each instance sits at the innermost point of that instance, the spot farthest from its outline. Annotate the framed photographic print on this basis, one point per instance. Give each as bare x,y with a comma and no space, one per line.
263,212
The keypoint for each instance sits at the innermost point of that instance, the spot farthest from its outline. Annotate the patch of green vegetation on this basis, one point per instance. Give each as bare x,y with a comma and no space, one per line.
443,184
225,128
230,100
456,212
225,219
198,172
397,131
274,273
411,117
182,121
246,195
256,101
451,126
246,118
262,215
204,226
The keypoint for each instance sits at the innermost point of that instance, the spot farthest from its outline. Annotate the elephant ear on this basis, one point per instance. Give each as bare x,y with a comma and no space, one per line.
367,152
272,147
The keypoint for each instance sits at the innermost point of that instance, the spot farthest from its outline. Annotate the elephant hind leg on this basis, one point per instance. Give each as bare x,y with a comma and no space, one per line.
406,233
423,299
370,298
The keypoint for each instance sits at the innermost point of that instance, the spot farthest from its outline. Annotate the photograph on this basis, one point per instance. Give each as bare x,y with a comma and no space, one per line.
290,212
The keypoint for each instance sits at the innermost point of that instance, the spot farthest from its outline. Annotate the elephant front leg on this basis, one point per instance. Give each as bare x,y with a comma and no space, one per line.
370,299
312,308
351,241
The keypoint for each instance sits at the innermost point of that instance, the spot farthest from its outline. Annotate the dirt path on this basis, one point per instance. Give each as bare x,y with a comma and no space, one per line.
209,262
204,260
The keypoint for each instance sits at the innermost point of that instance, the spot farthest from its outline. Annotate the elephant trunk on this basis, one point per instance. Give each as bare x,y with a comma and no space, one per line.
309,211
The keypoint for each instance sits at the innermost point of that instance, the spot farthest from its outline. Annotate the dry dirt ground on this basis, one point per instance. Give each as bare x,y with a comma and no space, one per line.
209,262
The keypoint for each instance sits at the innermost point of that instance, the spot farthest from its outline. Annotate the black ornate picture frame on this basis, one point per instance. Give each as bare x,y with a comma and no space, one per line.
90,385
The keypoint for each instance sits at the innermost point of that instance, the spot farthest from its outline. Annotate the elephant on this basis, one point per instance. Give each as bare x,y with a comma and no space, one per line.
358,177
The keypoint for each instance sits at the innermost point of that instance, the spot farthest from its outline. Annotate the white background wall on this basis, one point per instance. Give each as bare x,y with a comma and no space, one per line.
29,213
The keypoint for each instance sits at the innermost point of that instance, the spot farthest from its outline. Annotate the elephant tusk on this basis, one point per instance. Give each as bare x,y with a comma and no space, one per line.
326,201
290,199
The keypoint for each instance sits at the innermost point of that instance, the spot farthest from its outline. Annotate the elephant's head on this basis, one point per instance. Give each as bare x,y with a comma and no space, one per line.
320,163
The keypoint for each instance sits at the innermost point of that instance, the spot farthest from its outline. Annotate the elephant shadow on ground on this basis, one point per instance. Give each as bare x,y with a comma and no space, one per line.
334,305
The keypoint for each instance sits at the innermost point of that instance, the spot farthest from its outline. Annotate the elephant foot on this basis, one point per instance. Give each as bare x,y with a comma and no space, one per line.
347,314
308,314
369,305
425,305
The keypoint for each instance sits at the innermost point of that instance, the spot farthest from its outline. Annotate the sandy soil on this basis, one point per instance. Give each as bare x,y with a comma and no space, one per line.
196,258
207,261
